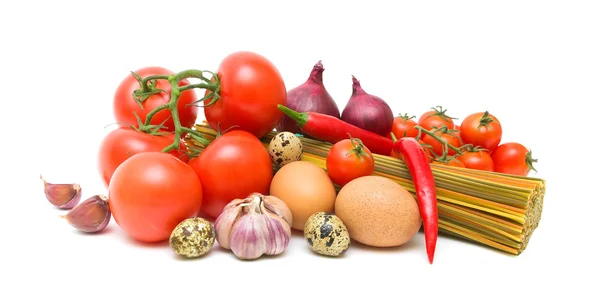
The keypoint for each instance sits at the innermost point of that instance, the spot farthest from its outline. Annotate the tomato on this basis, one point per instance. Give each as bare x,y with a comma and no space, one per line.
347,160
251,89
436,118
234,165
125,106
481,129
453,162
122,143
480,160
403,126
151,192
513,158
437,147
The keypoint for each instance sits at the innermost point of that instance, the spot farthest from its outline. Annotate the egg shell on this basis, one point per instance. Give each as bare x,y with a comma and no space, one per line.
326,234
378,212
305,188
193,237
284,148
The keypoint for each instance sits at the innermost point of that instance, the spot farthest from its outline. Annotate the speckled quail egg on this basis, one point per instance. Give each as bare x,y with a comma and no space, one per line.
285,147
192,237
326,234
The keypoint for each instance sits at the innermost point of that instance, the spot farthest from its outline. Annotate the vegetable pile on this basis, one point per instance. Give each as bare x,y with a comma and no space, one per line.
269,160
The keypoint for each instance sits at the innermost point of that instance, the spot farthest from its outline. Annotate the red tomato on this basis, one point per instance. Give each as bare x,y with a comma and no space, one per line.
347,160
436,118
481,129
125,106
403,126
251,89
122,143
151,192
480,160
437,147
450,162
233,166
513,158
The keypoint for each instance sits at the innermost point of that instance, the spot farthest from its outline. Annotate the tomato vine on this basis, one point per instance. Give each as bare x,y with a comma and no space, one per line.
148,88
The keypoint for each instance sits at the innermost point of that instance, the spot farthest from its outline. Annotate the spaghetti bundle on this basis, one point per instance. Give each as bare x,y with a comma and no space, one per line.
493,209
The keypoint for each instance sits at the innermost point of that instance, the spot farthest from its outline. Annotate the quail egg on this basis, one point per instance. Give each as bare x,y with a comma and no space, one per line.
192,237
326,234
285,147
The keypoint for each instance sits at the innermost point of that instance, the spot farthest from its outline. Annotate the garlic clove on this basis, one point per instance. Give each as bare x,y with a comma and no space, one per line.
278,236
62,195
225,221
274,206
91,215
235,203
249,236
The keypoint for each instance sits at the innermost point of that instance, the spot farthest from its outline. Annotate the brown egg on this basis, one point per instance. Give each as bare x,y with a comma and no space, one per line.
378,211
305,188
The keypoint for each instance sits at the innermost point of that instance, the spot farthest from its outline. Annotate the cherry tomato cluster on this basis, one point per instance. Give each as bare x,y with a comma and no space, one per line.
152,186
475,143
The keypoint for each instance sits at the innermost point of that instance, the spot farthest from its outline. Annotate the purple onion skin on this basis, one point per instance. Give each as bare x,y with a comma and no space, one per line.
311,96
367,111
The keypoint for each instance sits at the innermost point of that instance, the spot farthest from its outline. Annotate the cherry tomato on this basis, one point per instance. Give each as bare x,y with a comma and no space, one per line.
404,126
481,129
251,88
436,118
513,158
347,160
234,165
480,160
125,106
122,143
437,147
454,162
151,192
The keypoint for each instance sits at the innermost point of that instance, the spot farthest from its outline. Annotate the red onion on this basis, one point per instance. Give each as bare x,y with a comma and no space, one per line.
311,96
367,111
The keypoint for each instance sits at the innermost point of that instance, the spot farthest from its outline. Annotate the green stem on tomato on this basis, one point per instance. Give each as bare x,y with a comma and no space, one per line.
145,80
439,139
358,148
172,106
213,85
208,86
151,114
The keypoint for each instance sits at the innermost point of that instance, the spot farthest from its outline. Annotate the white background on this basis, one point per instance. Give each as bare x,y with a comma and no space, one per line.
533,64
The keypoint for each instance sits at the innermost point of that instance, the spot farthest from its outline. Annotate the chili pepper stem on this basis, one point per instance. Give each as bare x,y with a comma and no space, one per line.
299,118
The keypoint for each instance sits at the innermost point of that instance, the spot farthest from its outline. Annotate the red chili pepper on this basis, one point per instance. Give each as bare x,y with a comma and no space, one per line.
331,129
418,165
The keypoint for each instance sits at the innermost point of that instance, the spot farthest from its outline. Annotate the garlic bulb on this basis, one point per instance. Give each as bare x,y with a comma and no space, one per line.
254,226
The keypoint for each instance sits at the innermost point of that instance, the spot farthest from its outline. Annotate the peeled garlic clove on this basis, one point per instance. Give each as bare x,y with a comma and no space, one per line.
62,195
224,223
279,235
249,236
91,215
